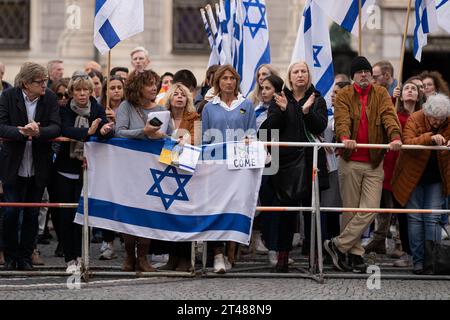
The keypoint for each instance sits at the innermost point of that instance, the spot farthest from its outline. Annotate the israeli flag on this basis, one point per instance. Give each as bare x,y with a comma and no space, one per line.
116,20
346,12
224,28
255,42
313,46
443,14
426,22
214,56
217,35
130,191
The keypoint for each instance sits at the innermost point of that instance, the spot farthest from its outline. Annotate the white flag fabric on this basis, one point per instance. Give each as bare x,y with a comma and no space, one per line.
313,46
130,191
116,20
426,22
443,14
214,56
255,42
346,12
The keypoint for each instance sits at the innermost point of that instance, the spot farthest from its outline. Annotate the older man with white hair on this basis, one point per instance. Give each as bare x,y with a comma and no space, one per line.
139,59
422,177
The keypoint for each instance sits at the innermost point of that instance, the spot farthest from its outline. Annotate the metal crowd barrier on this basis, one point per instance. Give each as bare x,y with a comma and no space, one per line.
315,271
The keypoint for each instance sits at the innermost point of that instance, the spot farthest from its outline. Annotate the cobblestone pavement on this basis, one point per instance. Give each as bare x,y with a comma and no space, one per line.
50,287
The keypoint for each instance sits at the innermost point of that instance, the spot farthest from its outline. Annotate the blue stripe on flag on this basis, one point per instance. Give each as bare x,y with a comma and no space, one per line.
265,59
424,22
352,15
308,21
98,5
209,152
165,221
416,28
326,81
441,4
109,34
153,147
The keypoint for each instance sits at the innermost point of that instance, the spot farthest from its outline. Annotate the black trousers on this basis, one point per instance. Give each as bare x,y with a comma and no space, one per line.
20,240
69,191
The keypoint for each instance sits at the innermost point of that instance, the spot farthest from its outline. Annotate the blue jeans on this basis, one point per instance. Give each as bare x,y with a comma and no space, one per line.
24,190
424,226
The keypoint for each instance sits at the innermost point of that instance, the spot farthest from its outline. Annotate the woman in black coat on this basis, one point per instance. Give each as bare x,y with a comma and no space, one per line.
299,112
81,118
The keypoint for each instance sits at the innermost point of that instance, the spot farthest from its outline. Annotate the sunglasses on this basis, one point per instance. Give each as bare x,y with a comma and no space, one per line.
61,96
84,77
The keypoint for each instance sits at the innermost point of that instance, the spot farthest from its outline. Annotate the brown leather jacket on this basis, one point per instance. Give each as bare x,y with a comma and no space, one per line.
412,163
189,123
384,126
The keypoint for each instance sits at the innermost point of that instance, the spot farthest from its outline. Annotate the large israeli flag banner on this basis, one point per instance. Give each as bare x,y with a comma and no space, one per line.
346,12
116,20
443,14
313,46
426,22
131,192
255,42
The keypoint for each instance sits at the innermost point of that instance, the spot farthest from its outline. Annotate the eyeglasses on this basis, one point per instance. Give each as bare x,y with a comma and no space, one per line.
40,82
61,96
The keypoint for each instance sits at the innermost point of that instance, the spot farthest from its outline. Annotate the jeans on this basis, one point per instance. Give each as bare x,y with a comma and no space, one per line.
19,248
424,226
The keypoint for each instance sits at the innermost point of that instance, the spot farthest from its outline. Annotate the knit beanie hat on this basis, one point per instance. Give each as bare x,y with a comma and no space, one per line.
360,63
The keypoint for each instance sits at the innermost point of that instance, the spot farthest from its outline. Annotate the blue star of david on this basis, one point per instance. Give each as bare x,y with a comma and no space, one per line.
261,24
179,194
316,51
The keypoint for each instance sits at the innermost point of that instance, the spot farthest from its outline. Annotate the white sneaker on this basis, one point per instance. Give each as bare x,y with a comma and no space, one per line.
228,265
73,267
273,258
297,240
260,247
219,264
104,246
108,253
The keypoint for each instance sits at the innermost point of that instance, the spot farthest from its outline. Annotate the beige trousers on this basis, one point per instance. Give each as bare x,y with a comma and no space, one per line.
360,187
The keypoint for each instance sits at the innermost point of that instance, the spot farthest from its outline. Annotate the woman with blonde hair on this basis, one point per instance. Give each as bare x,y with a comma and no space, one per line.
262,72
298,112
186,124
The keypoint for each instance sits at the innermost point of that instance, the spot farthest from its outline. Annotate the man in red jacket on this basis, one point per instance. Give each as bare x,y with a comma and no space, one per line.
364,114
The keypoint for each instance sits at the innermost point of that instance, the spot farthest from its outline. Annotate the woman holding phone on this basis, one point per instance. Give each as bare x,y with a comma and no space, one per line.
132,122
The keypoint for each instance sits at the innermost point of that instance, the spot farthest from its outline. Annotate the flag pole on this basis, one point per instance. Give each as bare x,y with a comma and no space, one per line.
360,27
402,57
108,80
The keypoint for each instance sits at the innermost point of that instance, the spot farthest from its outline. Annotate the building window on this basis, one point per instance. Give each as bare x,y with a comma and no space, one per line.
188,31
14,24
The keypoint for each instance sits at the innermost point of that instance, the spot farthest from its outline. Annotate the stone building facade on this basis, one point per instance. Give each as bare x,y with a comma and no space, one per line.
64,29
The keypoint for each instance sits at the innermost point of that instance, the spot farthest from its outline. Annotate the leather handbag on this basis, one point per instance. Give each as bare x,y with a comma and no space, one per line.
290,182
437,258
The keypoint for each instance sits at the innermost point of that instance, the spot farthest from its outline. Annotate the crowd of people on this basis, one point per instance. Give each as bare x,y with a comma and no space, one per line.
369,107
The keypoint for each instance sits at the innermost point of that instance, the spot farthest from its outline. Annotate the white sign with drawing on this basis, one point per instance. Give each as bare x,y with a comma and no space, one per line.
241,155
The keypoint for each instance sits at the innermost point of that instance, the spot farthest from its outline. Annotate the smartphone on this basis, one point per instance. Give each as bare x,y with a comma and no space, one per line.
155,122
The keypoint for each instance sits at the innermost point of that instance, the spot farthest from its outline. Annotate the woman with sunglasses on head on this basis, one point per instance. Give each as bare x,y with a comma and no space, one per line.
81,118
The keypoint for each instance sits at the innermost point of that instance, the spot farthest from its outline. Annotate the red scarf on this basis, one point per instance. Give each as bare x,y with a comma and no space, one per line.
362,154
